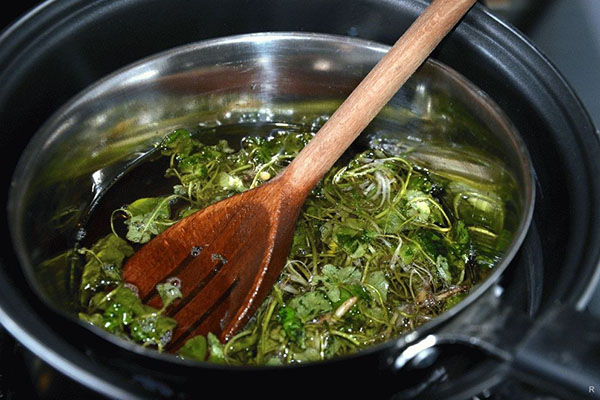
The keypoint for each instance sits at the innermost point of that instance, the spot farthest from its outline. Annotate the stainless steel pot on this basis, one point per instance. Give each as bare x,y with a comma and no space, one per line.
290,78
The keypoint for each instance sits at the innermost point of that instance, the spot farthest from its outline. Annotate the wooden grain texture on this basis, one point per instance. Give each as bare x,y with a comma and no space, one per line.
229,255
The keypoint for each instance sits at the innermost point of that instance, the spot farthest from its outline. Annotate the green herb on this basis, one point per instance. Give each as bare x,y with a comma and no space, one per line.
169,291
216,351
121,312
195,348
103,265
291,323
147,217
382,245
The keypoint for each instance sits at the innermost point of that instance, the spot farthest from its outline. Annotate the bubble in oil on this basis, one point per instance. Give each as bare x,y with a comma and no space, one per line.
166,338
175,281
81,234
195,252
218,257
133,288
223,321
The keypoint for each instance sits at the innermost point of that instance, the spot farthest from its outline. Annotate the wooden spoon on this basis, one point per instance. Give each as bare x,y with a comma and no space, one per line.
228,255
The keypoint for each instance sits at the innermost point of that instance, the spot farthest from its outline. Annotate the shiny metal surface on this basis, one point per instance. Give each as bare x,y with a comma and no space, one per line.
257,78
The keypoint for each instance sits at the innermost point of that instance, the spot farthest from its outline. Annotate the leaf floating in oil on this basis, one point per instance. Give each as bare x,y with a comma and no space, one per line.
383,245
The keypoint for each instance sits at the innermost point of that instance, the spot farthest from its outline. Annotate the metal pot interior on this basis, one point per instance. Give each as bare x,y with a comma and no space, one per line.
288,78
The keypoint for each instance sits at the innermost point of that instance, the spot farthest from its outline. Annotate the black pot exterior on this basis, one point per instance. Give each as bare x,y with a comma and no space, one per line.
64,46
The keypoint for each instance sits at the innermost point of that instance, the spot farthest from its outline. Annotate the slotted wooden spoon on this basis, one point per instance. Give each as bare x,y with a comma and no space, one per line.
229,255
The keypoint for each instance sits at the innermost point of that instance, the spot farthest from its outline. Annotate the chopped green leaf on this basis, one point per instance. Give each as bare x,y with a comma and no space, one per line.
124,314
147,217
103,265
310,305
378,281
229,182
169,292
195,348
335,278
215,347
443,269
292,325
179,142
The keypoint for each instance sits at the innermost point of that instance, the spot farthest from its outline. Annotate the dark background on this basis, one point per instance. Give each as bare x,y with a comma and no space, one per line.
10,12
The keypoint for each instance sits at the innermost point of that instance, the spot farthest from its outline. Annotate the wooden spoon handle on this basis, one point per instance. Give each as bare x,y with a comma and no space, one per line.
373,93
